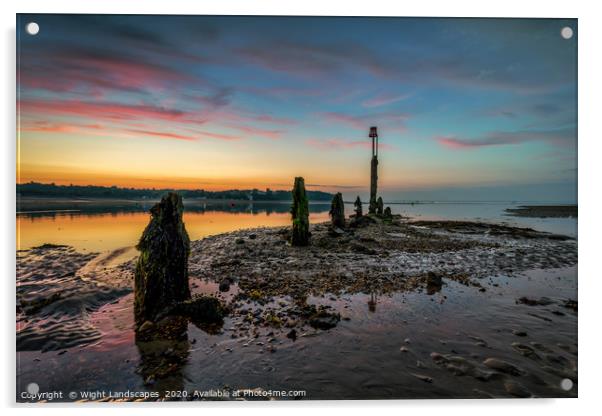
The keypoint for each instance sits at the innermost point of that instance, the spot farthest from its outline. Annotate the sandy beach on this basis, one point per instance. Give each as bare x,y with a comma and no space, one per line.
387,310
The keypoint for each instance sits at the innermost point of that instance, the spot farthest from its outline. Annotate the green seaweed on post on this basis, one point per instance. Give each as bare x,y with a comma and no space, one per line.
300,214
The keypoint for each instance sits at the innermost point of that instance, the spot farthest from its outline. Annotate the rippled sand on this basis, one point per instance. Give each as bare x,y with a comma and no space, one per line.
75,318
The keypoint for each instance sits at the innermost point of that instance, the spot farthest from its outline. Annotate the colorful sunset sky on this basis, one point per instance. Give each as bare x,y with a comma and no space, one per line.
478,109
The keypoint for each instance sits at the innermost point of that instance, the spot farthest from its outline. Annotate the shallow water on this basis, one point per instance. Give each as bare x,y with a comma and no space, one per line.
89,227
89,345
486,212
360,358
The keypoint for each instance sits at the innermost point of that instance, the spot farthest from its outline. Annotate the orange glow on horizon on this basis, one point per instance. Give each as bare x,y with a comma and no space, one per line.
75,176
84,178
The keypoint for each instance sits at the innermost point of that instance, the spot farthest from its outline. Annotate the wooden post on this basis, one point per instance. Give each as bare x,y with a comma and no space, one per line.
373,170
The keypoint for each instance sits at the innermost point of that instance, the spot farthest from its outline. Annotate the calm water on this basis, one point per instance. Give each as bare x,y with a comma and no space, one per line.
360,358
101,227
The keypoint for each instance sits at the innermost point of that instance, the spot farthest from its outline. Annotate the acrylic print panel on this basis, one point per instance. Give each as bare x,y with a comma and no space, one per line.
295,208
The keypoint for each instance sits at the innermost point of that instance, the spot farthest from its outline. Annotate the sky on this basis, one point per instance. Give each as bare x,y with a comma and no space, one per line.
466,109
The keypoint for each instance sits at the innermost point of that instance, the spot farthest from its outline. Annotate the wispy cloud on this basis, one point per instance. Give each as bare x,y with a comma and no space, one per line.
220,98
393,119
284,92
103,110
312,59
163,135
257,131
338,144
126,116
74,68
384,99
219,136
46,127
561,137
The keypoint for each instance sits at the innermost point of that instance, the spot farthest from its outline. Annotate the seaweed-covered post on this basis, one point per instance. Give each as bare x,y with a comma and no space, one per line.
161,277
358,207
337,211
379,206
387,215
300,213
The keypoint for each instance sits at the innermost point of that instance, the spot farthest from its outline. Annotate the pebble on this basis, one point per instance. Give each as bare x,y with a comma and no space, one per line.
423,377
523,349
516,389
503,366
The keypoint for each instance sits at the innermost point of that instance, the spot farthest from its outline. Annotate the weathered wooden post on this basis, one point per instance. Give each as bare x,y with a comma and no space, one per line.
387,215
358,207
379,206
337,211
161,276
300,214
373,170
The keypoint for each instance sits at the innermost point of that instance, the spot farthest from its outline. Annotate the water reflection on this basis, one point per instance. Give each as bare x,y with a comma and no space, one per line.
164,352
101,226
165,349
107,227
432,288
38,209
372,302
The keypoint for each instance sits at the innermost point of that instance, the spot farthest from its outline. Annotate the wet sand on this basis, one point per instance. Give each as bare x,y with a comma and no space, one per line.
501,324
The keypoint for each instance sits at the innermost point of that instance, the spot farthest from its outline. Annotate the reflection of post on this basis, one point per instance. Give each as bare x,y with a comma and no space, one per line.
372,302
373,170
164,351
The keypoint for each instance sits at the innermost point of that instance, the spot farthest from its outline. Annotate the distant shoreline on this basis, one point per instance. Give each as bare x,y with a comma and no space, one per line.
79,192
30,200
99,200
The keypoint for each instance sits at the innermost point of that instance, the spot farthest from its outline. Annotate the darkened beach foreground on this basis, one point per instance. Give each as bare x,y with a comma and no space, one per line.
383,309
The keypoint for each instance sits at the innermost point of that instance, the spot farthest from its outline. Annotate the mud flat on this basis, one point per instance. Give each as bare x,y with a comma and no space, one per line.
389,310
544,211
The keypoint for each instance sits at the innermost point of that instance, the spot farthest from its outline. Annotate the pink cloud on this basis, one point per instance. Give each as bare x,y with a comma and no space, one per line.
162,134
315,60
333,144
128,129
285,92
266,118
131,74
353,121
394,121
453,143
103,110
559,137
73,68
134,118
256,131
45,127
219,135
240,117
384,99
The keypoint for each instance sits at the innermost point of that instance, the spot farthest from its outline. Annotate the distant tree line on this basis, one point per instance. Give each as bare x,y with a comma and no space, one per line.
33,189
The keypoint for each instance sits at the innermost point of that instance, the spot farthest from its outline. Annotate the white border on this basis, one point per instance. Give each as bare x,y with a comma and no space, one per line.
590,244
